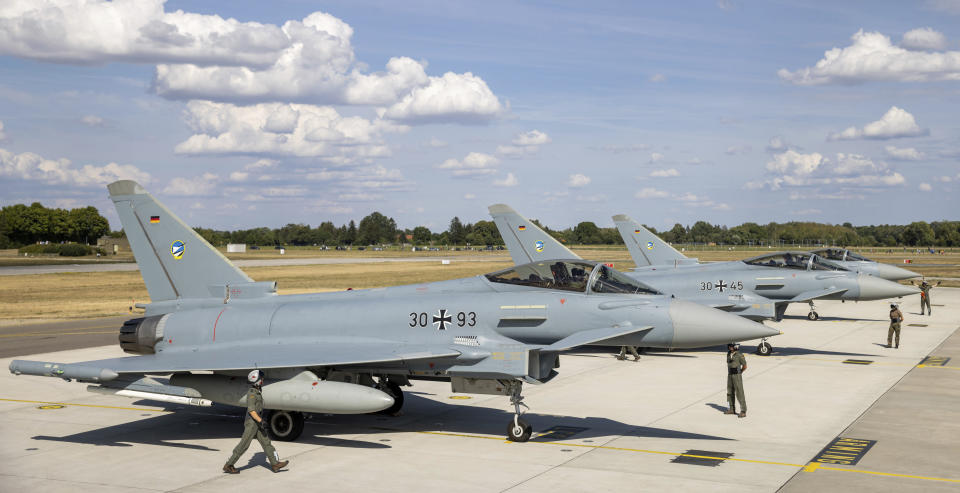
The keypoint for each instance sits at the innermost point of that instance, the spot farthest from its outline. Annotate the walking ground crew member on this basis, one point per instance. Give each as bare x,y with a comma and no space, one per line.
254,427
633,351
925,294
895,318
736,365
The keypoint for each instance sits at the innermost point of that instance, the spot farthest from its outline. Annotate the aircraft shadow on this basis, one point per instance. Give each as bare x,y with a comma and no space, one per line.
421,415
425,415
186,424
799,351
834,319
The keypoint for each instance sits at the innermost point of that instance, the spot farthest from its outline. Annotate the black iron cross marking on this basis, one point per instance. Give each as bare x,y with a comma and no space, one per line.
721,285
441,319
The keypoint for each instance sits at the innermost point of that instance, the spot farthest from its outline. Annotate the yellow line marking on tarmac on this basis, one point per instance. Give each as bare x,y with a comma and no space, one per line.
881,363
89,405
809,467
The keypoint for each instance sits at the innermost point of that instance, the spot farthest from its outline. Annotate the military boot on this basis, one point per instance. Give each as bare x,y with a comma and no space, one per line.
230,469
279,465
730,410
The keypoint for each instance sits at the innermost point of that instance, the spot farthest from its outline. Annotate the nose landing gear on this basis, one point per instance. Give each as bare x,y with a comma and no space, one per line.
518,430
813,315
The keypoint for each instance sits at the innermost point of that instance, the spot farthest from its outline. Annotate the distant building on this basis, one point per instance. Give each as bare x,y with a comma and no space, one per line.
236,248
113,246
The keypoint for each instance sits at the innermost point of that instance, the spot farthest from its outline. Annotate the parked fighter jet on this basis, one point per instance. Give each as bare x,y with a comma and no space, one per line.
349,352
758,288
859,263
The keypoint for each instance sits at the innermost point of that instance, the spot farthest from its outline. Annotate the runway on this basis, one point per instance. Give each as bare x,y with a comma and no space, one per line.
603,424
274,262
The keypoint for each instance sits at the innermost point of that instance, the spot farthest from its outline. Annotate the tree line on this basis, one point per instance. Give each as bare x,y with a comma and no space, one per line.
23,225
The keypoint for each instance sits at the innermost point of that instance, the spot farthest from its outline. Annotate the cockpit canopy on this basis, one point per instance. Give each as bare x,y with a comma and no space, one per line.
571,275
840,254
793,260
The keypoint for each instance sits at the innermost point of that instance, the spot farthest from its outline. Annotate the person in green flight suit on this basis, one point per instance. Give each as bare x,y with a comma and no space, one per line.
623,353
736,365
925,294
254,427
896,316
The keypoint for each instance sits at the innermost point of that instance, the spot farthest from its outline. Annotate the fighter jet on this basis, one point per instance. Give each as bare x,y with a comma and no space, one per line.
756,288
349,352
859,263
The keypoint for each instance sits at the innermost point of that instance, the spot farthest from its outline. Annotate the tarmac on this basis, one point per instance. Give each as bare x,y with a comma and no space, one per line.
601,425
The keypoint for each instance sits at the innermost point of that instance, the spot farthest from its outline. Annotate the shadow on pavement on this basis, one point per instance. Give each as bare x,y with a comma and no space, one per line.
799,351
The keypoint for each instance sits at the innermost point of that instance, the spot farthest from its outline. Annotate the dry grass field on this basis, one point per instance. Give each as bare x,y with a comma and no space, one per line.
25,298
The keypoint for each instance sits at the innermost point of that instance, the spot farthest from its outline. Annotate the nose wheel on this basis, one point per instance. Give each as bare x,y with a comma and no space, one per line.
518,430
813,315
764,348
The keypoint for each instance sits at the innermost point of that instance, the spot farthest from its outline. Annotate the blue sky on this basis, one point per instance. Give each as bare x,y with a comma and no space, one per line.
241,114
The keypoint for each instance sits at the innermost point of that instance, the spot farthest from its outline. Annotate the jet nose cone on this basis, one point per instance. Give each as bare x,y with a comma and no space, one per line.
874,288
695,325
894,273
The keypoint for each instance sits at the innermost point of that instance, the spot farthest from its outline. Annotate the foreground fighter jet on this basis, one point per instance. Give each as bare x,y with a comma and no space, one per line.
858,263
756,288
349,352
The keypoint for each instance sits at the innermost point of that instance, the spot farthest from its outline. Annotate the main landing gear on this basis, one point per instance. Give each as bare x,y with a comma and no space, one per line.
518,430
813,315
393,389
284,426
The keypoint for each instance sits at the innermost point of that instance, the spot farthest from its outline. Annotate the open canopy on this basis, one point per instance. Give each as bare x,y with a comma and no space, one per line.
571,275
793,260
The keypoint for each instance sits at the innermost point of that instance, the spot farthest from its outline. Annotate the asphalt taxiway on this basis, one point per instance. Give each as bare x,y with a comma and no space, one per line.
603,424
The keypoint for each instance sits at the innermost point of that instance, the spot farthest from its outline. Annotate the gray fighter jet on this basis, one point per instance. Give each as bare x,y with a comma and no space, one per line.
859,263
349,352
757,288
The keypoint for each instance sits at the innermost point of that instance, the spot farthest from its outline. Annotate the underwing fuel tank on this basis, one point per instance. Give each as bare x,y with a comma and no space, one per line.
305,393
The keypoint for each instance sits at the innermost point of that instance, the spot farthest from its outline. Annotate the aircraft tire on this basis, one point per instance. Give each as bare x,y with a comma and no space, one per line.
519,431
285,426
397,394
764,349
813,316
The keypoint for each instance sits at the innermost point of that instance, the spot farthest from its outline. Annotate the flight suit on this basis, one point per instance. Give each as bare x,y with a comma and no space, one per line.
252,430
633,351
925,297
735,361
895,318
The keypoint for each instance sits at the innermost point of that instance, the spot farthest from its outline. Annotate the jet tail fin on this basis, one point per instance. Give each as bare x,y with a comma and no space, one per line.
526,242
174,260
645,247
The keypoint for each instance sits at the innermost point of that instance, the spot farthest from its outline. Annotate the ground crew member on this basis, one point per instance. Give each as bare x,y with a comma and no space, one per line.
633,351
925,294
895,318
255,427
736,365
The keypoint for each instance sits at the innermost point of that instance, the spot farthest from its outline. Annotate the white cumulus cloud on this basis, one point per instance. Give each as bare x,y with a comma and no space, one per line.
794,169
509,181
655,157
30,166
578,180
895,123
664,173
924,38
204,184
524,143
873,57
904,153
92,121
651,193
924,187
475,163
776,144
200,56
284,130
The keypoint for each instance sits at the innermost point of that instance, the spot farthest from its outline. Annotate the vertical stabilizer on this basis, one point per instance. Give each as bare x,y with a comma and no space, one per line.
174,260
645,247
526,242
